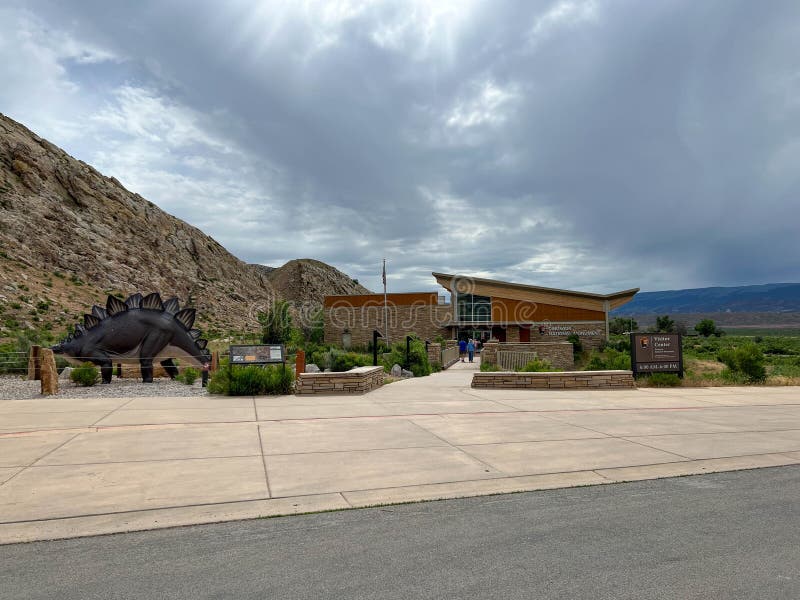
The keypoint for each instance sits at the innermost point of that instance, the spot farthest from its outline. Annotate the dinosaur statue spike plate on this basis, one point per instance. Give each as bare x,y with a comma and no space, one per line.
141,329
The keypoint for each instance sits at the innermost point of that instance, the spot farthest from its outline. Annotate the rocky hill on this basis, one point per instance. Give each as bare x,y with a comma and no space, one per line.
70,235
304,280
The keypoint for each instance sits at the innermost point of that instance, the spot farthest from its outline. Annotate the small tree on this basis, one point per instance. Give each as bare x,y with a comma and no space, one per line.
665,324
706,328
276,323
620,325
317,331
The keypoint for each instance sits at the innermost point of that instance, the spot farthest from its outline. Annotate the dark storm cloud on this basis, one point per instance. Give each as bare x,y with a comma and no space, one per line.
596,145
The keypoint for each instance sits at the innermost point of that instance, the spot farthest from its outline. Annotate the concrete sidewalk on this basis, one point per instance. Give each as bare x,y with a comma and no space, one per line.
82,467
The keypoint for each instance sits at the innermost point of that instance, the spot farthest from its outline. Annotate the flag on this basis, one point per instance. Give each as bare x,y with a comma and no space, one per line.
384,274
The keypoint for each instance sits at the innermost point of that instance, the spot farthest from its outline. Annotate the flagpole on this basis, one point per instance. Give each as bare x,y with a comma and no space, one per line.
385,307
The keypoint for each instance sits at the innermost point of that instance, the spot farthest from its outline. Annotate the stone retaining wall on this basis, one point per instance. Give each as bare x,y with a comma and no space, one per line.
595,380
355,381
558,354
435,353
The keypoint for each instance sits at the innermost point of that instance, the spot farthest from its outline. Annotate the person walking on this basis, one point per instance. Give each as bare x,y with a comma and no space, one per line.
462,349
471,349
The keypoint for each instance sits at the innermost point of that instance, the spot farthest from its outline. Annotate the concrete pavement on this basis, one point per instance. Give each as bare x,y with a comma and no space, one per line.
82,467
727,535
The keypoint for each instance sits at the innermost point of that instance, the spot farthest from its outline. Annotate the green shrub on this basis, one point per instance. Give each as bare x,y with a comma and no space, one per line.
577,345
220,381
251,380
418,357
188,376
489,368
344,361
85,375
620,344
537,366
609,360
664,380
746,361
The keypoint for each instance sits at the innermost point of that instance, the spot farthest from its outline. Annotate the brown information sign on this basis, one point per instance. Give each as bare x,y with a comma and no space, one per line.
656,353
257,355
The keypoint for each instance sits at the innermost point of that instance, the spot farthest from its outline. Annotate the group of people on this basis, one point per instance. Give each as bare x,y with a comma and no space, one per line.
468,348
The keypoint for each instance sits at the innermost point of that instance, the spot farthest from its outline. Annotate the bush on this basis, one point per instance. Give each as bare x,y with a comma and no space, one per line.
85,375
577,345
746,360
188,376
488,368
537,366
14,356
251,381
344,361
418,357
663,380
609,360
220,381
620,344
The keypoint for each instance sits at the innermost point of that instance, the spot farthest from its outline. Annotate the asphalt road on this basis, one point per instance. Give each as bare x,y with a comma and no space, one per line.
729,535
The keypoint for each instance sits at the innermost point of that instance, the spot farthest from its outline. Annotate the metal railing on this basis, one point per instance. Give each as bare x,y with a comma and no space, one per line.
449,355
510,360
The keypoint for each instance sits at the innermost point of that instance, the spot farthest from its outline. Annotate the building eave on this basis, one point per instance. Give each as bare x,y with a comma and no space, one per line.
441,277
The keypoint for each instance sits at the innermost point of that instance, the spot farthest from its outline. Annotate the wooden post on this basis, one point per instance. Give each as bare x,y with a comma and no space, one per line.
300,363
35,364
49,373
214,361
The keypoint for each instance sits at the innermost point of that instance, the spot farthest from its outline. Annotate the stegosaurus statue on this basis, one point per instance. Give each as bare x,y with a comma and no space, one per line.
143,329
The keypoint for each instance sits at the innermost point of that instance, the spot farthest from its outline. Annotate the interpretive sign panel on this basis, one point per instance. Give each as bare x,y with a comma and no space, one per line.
257,355
656,353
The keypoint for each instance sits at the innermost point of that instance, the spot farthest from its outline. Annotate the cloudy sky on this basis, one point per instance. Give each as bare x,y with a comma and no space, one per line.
595,145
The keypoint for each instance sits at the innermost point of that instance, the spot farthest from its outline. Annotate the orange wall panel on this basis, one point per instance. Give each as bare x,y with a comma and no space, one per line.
411,299
505,310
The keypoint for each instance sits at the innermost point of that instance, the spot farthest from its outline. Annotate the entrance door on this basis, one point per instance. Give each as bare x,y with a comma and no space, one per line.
476,333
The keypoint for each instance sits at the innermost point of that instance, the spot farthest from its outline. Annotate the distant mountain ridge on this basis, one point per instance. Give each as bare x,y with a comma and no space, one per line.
766,298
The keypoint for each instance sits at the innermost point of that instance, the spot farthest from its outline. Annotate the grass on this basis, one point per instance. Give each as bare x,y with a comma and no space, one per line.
781,357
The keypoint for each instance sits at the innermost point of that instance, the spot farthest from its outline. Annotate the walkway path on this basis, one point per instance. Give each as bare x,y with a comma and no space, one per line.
83,466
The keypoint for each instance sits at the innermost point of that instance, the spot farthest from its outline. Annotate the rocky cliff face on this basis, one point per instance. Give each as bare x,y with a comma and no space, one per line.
70,235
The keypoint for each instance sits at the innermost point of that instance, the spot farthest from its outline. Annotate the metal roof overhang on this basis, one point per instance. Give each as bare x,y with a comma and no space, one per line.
530,293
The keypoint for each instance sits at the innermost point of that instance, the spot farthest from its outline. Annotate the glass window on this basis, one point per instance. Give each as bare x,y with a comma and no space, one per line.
473,308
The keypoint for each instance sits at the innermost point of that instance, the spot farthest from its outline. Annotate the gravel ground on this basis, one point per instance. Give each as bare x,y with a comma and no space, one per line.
15,388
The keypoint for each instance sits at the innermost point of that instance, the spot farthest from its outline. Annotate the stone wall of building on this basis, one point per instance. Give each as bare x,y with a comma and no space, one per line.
598,380
428,321
558,354
591,334
356,381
